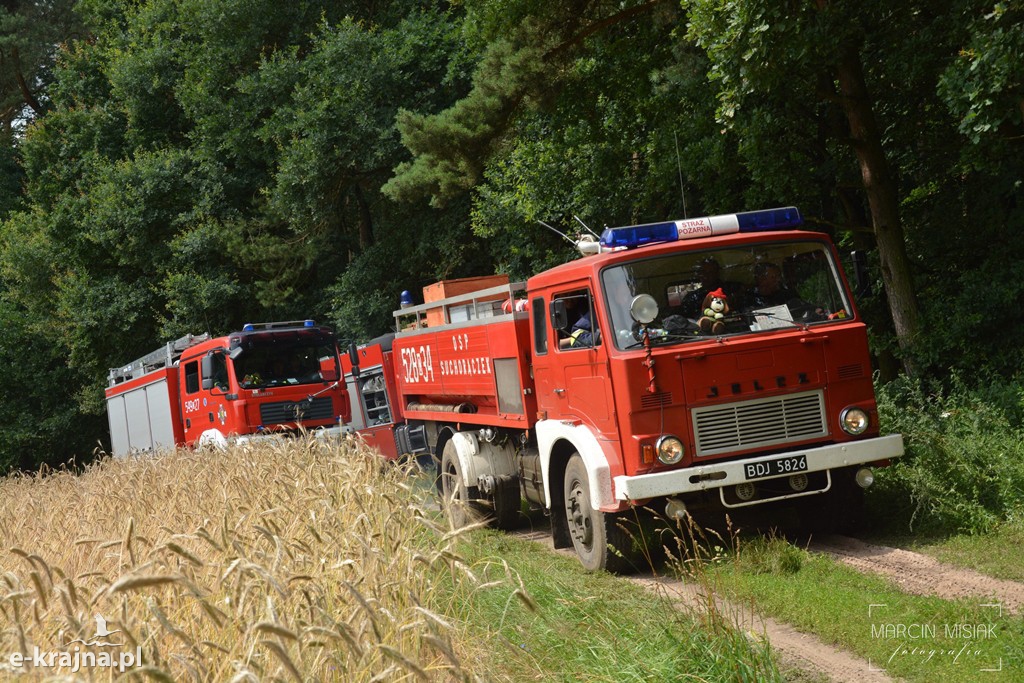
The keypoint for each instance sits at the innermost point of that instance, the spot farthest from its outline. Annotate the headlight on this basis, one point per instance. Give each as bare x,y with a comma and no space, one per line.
854,421
670,450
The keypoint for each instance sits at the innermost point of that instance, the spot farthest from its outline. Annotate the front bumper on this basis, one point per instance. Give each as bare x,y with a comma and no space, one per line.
715,475
325,433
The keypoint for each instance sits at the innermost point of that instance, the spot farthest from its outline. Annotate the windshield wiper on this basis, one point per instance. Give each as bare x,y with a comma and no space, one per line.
662,336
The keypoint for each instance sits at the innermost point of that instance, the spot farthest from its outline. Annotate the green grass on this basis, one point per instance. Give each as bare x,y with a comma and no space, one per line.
997,553
562,624
818,595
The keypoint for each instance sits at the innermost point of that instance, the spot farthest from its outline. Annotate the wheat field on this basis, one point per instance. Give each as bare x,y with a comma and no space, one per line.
302,560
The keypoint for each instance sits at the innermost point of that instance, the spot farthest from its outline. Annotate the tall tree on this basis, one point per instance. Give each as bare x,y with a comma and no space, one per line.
815,53
207,163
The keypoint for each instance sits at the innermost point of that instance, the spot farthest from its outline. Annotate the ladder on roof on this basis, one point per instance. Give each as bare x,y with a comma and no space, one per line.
165,356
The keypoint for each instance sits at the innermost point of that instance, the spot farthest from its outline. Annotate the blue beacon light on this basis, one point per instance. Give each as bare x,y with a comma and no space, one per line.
690,228
405,299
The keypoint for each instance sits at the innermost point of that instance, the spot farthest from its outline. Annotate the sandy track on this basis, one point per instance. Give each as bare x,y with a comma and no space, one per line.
921,575
794,649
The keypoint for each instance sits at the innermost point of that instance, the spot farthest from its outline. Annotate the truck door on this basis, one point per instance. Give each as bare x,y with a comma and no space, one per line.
203,401
573,381
192,415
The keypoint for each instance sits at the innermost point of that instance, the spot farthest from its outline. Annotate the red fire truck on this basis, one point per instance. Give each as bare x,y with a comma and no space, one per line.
267,379
617,380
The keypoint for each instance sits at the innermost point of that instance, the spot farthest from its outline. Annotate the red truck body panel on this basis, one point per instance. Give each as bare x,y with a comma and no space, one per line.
484,366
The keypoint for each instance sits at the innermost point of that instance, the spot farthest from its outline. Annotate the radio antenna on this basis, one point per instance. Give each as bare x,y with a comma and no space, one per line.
586,245
558,232
679,165
586,227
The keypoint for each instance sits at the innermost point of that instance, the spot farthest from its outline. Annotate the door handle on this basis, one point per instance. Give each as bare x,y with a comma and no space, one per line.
559,391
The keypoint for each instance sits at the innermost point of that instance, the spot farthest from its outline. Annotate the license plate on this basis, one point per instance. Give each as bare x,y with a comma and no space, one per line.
775,468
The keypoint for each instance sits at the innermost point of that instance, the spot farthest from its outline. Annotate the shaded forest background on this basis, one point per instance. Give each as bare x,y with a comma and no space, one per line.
174,166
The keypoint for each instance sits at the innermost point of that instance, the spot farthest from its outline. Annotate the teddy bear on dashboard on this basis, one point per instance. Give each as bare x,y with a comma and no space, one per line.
715,307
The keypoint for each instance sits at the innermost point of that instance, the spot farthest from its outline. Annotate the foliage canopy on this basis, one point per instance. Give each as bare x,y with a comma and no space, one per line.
193,165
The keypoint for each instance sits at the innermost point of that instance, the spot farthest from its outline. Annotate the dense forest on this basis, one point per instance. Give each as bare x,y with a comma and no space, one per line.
174,166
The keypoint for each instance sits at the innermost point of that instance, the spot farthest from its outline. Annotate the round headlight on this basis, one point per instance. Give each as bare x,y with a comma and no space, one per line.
854,421
670,450
643,308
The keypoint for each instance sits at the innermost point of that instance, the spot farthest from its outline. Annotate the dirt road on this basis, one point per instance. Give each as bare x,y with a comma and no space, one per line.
912,572
796,650
920,574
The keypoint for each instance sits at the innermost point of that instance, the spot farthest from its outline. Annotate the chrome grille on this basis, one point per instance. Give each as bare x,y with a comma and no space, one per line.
759,422
284,411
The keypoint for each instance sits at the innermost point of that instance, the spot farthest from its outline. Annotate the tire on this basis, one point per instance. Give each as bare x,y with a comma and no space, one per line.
600,543
455,497
507,506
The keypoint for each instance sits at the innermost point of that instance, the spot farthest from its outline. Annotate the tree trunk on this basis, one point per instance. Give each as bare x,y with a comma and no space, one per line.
365,220
883,202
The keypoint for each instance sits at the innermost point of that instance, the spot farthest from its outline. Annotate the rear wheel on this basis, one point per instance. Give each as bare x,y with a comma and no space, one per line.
507,505
455,495
600,543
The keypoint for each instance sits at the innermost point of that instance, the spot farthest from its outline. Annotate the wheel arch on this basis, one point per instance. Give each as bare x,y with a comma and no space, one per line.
557,442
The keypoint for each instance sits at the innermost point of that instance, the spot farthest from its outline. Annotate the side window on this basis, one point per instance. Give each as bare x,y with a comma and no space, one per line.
220,371
192,377
581,330
540,326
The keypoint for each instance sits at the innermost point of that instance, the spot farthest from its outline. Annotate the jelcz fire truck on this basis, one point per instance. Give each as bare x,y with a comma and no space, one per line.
607,383
265,380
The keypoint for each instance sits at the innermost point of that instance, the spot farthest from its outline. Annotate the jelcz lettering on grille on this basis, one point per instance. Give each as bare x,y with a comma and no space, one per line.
759,422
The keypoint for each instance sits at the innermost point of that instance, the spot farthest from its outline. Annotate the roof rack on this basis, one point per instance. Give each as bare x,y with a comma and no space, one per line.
163,357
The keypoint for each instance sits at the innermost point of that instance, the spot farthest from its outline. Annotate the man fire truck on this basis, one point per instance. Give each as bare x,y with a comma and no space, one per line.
267,379
695,388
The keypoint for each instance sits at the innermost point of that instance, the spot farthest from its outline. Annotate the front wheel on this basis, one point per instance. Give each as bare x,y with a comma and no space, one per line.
600,543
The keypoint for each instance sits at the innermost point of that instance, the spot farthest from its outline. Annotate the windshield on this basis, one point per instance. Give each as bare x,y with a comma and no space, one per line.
285,364
737,290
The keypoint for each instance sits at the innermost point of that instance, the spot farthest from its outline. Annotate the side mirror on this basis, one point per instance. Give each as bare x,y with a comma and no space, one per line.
353,359
861,280
559,316
207,372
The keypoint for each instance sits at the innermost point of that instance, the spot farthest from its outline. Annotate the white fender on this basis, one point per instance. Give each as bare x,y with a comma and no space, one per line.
477,458
589,448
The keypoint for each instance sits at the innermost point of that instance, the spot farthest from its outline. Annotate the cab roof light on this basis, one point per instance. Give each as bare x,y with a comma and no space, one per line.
252,327
691,228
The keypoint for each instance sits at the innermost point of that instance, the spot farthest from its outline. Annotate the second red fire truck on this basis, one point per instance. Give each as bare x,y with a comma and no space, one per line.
265,380
711,361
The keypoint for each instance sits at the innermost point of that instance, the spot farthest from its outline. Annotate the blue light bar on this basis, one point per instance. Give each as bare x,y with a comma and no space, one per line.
707,226
248,327
770,219
309,323
638,235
